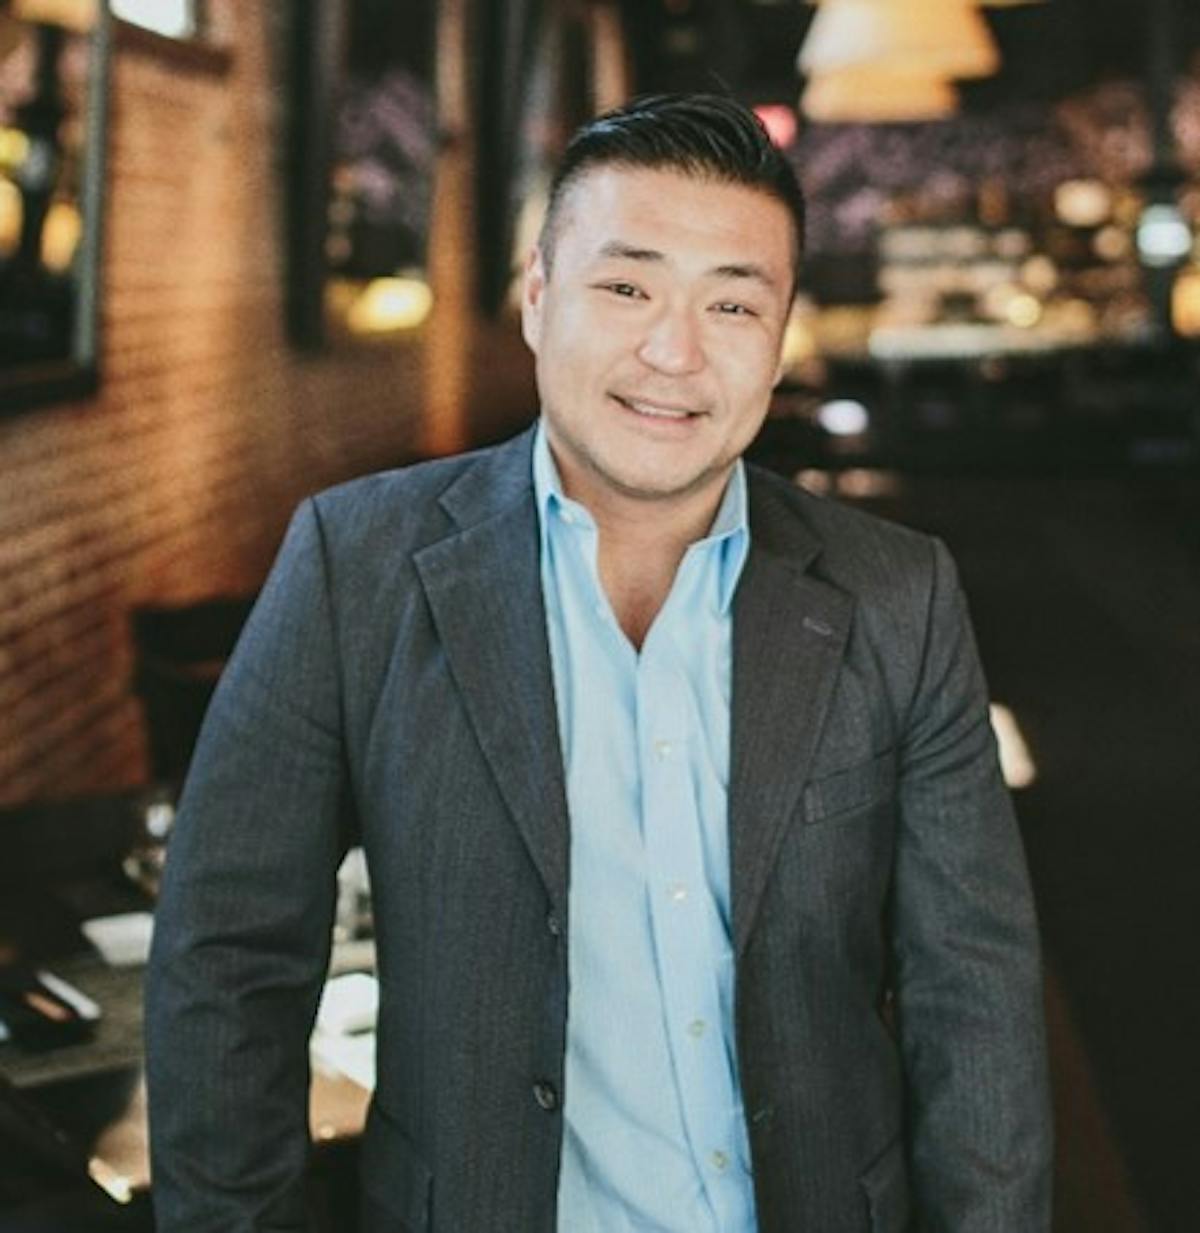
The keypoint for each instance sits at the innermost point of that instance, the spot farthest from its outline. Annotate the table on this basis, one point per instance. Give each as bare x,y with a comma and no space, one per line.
97,1091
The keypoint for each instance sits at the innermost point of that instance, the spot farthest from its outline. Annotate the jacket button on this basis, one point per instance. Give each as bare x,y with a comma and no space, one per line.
546,1095
553,925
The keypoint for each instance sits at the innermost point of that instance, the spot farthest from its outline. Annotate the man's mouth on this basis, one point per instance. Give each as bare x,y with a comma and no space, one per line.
656,410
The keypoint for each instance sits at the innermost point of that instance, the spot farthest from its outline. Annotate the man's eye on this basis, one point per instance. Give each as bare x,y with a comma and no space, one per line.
732,309
628,290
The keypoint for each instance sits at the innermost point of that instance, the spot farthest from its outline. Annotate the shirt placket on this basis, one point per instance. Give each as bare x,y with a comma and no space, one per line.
681,903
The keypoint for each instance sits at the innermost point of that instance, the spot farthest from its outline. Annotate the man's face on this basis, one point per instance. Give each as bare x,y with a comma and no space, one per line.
657,331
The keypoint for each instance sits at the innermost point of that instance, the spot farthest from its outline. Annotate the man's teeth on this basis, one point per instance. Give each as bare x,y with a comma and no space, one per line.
658,413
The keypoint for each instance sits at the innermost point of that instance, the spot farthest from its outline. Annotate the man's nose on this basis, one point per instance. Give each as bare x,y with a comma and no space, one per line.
672,344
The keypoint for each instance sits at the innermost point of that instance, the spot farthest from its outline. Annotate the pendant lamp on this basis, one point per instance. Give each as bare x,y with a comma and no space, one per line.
877,96
983,4
934,38
78,15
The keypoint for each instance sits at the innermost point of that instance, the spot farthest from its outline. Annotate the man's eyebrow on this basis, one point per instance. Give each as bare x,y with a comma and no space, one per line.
736,269
745,270
631,252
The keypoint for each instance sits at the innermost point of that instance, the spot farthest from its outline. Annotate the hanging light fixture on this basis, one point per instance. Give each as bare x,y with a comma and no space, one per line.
79,15
877,96
983,4
935,38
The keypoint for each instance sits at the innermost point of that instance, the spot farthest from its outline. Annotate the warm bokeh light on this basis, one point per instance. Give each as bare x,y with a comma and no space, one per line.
77,15
935,38
1039,274
60,236
1016,762
1024,311
388,304
14,147
799,343
877,96
1185,302
1112,243
11,213
983,4
1083,203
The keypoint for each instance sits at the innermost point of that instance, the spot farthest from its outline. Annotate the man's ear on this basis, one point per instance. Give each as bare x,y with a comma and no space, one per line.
533,288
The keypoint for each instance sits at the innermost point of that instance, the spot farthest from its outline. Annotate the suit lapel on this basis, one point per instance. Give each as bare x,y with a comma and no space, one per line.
483,585
789,635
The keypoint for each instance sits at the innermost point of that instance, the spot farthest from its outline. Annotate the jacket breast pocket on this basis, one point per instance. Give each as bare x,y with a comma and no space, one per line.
850,790
885,1185
396,1181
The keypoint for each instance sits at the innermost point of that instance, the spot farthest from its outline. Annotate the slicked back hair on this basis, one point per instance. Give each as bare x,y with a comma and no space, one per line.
703,136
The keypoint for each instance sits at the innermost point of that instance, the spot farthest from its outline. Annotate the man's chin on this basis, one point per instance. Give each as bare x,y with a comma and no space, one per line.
664,487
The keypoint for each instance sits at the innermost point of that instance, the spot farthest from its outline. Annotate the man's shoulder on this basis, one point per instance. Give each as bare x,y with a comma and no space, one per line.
849,540
408,503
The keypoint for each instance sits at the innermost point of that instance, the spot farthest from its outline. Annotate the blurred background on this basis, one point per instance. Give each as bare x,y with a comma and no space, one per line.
251,250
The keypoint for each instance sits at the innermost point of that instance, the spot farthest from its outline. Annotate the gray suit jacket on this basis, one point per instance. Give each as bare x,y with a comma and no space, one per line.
394,685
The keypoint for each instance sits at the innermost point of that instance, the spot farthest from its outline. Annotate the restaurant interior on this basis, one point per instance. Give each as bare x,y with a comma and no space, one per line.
251,250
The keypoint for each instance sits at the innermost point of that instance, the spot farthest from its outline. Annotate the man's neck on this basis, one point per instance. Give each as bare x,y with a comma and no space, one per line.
641,543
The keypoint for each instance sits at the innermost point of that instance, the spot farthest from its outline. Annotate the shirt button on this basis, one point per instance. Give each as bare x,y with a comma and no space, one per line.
677,892
697,1028
719,1161
663,750
546,1095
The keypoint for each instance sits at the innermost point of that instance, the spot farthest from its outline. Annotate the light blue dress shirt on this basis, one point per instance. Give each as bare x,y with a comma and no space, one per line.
654,1136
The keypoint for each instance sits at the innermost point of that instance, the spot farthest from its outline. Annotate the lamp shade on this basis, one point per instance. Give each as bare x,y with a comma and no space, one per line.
79,15
935,38
983,4
877,96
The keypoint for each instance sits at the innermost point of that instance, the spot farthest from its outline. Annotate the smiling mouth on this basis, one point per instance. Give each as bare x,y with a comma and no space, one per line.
656,410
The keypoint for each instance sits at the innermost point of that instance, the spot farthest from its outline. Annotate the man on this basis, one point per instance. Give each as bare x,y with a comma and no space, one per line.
699,900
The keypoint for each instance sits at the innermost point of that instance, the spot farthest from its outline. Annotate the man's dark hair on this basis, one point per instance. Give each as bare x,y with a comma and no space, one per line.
705,136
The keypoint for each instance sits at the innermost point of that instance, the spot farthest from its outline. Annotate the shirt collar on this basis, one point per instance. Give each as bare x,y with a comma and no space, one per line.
729,534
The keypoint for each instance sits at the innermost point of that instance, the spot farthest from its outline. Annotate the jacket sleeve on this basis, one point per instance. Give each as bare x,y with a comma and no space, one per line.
242,928
967,968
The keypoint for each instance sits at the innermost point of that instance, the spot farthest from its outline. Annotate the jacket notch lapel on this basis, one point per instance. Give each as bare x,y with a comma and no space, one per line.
790,632
483,585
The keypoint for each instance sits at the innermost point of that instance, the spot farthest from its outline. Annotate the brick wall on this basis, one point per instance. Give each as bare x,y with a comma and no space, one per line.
175,483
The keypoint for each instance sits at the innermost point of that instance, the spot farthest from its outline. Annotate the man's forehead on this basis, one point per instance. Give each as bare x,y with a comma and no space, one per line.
618,179
611,207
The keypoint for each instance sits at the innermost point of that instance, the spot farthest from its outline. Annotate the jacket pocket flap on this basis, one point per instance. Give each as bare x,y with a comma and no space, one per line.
393,1172
851,788
885,1184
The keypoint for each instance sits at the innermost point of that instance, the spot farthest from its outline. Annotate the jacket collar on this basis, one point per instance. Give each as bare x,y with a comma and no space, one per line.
790,630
